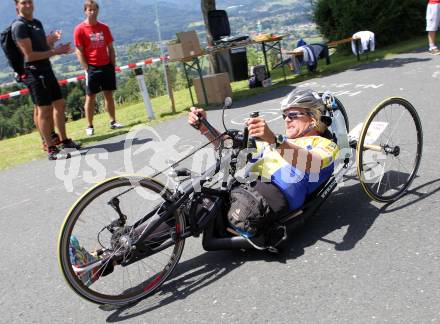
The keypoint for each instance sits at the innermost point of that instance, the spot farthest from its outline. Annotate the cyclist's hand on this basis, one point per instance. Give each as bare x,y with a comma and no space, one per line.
258,128
194,118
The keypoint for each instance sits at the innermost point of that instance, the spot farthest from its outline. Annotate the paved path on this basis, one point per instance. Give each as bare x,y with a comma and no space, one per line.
354,262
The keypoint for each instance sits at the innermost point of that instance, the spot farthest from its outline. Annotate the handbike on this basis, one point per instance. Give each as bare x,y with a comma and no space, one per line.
131,230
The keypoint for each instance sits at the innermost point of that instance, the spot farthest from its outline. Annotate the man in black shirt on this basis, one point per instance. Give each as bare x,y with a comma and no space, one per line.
28,33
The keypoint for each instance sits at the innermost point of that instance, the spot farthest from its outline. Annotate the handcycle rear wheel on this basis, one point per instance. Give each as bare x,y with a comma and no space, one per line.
86,225
387,164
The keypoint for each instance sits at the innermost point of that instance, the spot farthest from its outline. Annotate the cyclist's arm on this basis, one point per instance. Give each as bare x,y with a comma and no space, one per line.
194,119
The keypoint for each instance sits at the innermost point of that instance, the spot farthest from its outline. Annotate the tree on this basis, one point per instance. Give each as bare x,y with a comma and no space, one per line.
208,5
391,21
75,102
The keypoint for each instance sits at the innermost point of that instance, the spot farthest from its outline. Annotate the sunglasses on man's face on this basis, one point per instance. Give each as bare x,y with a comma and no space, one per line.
294,115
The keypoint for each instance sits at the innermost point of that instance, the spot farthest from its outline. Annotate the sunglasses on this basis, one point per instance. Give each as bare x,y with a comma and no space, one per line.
295,115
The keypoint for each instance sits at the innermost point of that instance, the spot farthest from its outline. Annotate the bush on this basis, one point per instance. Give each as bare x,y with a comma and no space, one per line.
391,21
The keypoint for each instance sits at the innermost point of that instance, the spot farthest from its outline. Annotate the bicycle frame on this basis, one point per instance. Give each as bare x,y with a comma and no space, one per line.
224,162
180,197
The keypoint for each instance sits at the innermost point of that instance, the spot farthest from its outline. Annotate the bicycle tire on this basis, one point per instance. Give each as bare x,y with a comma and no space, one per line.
376,158
84,215
344,113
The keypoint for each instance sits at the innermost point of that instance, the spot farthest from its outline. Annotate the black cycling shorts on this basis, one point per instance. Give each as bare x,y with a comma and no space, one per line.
100,78
43,86
254,207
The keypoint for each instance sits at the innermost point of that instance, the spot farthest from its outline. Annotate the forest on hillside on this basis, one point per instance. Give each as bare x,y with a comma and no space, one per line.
132,24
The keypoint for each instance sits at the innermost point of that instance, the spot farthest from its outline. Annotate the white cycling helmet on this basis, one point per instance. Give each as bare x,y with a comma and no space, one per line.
302,98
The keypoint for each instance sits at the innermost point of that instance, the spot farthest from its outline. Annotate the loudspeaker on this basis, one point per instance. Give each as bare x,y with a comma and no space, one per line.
218,23
234,62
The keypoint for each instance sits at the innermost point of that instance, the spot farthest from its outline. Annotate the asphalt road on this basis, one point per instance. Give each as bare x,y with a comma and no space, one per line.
355,261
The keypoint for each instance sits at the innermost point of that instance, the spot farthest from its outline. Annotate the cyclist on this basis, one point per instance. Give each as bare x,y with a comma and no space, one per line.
288,166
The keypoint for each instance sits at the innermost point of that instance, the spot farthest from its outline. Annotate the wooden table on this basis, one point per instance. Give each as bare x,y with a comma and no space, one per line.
193,62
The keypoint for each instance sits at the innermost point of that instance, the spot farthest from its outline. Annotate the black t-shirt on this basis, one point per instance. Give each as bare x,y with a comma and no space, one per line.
22,29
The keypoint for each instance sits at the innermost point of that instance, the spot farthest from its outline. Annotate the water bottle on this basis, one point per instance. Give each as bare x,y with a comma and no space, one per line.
259,27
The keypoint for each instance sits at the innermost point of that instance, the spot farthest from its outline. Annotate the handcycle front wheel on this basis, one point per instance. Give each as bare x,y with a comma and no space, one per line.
389,149
86,238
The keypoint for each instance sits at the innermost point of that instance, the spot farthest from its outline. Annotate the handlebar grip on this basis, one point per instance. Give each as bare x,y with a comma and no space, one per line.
245,138
254,114
246,131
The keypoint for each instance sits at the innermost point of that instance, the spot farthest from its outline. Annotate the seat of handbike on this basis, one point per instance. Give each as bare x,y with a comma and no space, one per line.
287,223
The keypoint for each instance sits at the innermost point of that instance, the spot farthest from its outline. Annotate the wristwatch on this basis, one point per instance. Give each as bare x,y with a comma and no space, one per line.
279,140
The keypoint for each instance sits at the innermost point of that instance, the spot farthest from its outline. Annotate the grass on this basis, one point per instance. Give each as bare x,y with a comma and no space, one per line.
21,149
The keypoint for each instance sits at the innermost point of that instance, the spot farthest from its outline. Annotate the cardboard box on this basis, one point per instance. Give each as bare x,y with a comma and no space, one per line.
187,45
217,86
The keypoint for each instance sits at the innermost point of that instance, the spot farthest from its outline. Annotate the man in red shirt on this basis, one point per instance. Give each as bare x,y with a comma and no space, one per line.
432,24
95,52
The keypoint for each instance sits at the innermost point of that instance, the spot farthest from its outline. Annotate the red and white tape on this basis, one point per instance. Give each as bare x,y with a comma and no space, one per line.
82,77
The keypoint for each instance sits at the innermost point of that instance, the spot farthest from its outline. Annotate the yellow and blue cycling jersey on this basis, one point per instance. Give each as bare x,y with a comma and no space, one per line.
293,181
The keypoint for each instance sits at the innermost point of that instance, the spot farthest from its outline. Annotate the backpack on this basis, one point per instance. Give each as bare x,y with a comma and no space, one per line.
12,52
249,213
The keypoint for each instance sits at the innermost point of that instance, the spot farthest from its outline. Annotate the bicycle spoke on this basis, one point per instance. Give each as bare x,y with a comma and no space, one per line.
126,279
401,141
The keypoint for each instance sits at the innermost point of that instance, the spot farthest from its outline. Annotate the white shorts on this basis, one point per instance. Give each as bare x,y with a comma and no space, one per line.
432,16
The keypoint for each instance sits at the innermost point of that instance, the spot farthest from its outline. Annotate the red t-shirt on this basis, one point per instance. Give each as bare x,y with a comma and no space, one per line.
434,1
94,39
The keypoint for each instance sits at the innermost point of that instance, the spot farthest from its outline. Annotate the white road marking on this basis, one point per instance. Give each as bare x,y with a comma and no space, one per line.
269,115
367,86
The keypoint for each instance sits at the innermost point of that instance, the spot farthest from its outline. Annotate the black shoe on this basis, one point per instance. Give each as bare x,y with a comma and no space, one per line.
55,138
69,144
53,153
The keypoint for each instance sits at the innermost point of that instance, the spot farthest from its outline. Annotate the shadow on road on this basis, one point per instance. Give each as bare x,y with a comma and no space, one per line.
413,196
347,207
390,63
115,146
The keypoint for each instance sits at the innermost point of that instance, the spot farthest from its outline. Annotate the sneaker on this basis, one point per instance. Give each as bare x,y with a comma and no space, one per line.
115,125
55,141
79,258
434,51
90,131
53,153
69,144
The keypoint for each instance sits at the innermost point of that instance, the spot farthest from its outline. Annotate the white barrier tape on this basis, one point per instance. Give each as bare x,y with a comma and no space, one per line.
82,77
